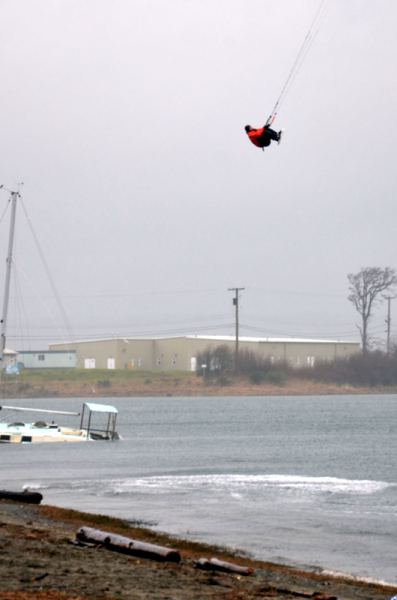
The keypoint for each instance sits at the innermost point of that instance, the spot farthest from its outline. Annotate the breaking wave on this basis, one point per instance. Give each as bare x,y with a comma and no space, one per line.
237,483
233,484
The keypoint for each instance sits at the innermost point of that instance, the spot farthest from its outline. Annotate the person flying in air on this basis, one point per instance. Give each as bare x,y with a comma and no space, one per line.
263,136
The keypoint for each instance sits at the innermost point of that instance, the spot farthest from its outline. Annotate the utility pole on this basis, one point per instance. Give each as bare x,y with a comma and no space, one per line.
388,322
236,291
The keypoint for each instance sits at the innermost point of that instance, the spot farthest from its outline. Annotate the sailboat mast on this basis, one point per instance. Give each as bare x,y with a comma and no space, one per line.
13,200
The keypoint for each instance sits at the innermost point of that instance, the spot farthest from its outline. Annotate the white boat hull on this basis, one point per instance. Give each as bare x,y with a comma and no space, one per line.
29,433
18,432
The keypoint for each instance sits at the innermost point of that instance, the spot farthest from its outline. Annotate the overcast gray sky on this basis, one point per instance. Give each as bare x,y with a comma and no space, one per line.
124,119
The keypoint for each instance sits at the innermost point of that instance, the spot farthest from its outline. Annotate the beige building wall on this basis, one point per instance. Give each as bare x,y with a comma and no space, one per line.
180,353
302,354
112,354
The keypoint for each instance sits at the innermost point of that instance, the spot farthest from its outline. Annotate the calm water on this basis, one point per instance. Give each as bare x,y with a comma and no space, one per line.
305,481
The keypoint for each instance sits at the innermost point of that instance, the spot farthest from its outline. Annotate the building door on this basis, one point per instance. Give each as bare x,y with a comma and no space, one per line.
111,363
89,363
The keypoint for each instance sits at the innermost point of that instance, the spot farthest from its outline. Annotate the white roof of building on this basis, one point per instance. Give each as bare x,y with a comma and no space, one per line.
215,338
230,338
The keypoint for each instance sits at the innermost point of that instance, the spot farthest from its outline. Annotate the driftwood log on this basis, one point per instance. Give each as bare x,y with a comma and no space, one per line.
126,545
25,496
214,564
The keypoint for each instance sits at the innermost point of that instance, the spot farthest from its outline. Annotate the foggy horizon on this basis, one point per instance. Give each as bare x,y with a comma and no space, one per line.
125,122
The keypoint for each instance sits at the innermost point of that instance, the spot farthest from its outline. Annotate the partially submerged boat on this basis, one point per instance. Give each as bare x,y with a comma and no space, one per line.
97,422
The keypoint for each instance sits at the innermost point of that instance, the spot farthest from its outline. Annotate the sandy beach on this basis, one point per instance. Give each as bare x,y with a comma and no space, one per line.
40,559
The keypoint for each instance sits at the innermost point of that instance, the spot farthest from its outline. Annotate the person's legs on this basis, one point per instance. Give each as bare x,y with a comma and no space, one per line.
273,135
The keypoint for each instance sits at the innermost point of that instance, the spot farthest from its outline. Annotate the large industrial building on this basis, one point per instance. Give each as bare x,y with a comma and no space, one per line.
180,353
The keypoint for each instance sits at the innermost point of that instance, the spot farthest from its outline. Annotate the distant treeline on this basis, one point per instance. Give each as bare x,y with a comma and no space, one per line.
371,369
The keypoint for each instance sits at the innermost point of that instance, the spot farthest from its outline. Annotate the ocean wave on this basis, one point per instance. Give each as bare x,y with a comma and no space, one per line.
237,487
239,483
34,486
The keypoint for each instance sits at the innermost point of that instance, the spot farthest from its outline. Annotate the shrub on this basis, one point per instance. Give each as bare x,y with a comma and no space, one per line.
257,376
105,383
276,377
369,369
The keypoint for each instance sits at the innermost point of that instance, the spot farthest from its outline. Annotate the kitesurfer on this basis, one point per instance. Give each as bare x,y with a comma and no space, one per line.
263,136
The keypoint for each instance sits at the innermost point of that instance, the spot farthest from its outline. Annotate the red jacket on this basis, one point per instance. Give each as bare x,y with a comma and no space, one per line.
255,135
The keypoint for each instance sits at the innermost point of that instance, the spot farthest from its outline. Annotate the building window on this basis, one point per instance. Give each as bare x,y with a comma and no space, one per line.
310,360
41,357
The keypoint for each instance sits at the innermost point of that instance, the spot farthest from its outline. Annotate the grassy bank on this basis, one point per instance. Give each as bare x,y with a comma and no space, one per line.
90,383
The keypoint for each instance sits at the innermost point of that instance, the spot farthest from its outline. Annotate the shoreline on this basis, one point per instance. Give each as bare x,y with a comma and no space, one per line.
169,385
39,561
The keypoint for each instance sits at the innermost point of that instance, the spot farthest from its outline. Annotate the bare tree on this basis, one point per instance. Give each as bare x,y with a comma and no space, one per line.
365,288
